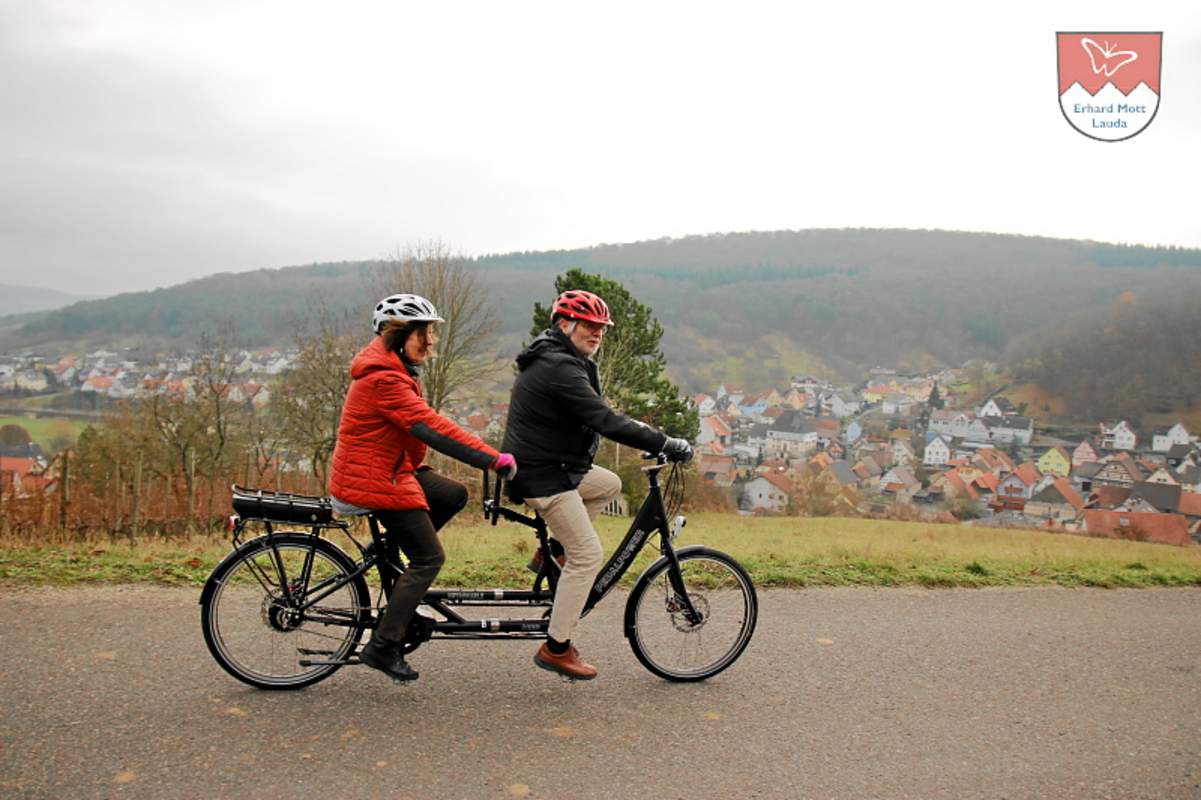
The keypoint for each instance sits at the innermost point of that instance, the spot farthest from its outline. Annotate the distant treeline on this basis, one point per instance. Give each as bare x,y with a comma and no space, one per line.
745,307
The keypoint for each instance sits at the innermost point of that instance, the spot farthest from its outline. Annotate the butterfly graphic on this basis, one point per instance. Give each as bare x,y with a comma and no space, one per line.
1106,59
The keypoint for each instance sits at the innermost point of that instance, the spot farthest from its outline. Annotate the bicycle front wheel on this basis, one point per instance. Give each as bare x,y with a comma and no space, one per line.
678,648
252,618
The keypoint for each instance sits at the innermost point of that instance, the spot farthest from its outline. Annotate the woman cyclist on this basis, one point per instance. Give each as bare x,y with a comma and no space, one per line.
378,463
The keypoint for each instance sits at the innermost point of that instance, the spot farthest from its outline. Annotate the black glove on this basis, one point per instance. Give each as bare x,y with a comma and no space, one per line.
677,449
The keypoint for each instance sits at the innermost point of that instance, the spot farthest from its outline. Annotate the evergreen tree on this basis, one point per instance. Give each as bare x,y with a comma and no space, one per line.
631,363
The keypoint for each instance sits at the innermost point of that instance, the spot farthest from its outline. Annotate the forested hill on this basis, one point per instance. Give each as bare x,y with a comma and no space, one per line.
749,307
21,299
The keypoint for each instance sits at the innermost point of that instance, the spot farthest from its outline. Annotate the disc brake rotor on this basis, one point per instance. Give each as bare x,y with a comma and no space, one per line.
679,612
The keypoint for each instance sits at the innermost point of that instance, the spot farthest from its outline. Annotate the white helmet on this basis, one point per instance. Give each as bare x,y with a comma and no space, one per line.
403,308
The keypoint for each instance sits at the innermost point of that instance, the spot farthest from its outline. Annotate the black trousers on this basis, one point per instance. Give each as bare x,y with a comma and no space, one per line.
415,534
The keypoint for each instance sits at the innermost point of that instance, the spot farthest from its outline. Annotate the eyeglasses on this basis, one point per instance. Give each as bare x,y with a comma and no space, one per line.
594,327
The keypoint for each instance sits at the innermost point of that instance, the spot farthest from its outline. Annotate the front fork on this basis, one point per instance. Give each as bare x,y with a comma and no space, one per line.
674,576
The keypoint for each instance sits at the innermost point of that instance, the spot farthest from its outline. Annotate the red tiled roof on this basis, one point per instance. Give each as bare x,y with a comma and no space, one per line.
21,466
778,480
1064,487
987,480
1190,504
1028,473
961,485
1108,496
717,424
828,425
1161,528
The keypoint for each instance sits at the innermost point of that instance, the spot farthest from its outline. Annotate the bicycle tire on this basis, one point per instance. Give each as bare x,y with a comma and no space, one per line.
248,630
661,636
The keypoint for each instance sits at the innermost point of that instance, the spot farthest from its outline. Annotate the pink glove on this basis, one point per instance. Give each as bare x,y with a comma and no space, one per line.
507,464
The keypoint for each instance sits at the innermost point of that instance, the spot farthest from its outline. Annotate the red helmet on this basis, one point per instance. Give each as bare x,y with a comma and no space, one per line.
581,305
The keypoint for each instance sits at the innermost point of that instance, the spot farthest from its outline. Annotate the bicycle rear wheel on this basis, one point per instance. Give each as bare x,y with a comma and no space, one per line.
676,648
252,626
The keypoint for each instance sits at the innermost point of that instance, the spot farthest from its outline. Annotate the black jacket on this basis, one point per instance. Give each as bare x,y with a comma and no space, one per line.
557,415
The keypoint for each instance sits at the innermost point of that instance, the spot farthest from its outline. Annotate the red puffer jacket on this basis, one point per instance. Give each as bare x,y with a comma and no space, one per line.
383,434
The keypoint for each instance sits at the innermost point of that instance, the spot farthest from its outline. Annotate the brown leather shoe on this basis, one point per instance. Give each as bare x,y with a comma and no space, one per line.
568,664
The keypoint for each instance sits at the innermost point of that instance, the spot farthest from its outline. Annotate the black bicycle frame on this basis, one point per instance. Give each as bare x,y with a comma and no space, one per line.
650,519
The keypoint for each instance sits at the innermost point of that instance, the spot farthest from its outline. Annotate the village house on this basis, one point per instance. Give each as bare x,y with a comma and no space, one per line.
990,459
996,406
1162,441
1190,478
900,482
867,470
1083,475
844,474
1057,501
1055,461
918,390
794,398
938,451
951,422
1010,428
902,452
1086,452
766,493
719,470
1120,471
1179,455
753,405
1152,497
876,393
1159,528
805,383
1017,487
714,429
839,404
898,405
978,431
792,435
704,404
1118,436
1163,475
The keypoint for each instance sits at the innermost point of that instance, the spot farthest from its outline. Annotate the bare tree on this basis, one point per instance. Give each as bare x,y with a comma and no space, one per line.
434,271
308,400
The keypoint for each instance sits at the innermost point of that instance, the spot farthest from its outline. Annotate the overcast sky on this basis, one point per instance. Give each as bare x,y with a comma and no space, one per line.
147,143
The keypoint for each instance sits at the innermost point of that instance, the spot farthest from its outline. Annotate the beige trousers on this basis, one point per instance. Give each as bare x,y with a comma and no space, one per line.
569,516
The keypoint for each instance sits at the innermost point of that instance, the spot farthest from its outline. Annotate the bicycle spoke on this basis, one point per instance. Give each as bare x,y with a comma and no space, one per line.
256,629
676,645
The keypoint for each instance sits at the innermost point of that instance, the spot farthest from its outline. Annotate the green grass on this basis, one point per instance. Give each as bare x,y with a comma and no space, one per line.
47,432
781,552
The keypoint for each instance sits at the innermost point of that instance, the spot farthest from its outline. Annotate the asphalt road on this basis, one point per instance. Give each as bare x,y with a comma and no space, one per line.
852,693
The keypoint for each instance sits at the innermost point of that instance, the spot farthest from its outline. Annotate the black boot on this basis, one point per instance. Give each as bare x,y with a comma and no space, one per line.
388,658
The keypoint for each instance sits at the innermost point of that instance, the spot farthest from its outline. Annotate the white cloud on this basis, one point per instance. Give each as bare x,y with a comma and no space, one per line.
147,143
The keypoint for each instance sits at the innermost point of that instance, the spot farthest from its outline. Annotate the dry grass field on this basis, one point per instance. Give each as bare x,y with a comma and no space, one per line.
780,552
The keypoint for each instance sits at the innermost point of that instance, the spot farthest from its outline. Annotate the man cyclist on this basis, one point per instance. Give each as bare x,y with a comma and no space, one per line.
556,419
